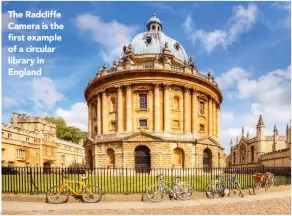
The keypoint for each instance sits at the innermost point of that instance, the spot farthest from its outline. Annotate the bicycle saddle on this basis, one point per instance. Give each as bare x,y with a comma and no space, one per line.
84,177
176,177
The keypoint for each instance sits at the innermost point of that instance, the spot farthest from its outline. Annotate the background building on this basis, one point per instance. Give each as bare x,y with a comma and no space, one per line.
32,141
153,108
262,150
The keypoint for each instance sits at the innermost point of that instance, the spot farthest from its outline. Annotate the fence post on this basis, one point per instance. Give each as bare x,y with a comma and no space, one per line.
127,192
30,171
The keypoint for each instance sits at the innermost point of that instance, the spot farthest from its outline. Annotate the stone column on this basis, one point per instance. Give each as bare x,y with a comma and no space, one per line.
194,111
186,110
89,120
120,109
105,122
214,115
166,108
210,116
129,107
218,122
98,113
156,108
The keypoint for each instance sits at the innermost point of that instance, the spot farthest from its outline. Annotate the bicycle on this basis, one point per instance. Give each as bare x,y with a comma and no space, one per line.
60,194
183,190
267,178
217,188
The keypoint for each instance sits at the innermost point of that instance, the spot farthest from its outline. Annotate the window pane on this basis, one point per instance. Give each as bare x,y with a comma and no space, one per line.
143,123
143,101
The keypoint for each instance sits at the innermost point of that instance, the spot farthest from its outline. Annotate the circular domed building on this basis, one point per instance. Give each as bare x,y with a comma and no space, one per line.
153,109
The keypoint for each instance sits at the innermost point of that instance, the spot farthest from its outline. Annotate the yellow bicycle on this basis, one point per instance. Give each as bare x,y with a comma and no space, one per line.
60,194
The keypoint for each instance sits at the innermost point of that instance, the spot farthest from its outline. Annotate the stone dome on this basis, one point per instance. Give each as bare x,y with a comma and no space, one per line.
153,41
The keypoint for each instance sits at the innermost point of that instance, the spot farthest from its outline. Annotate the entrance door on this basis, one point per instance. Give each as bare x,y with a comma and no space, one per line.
47,167
142,159
207,160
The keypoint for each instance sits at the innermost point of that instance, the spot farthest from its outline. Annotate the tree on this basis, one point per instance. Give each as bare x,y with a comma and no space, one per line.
65,132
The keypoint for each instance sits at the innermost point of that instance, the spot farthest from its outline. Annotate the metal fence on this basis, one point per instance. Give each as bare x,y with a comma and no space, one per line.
37,180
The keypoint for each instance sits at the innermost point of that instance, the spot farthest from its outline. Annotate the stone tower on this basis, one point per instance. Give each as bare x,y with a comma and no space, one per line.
260,137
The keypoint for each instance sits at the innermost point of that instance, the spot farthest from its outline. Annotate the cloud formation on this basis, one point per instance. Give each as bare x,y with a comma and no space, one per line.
241,22
111,35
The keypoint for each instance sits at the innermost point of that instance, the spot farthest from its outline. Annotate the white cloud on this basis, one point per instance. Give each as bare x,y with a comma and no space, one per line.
8,102
76,116
44,92
241,21
232,77
111,35
5,21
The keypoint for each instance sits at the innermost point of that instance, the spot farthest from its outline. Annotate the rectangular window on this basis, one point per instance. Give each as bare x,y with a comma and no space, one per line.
27,139
143,101
143,123
113,125
202,128
62,158
175,124
20,154
202,108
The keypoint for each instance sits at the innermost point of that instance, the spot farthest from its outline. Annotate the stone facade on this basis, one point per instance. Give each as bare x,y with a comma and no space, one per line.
262,150
156,106
32,141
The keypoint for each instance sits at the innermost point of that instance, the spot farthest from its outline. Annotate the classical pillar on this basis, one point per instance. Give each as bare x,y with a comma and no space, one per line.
98,113
214,115
129,107
120,109
89,119
166,108
210,116
186,110
218,122
104,113
194,111
156,108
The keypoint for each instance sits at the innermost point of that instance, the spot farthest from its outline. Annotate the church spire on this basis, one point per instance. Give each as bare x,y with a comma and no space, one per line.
260,122
242,132
237,140
247,135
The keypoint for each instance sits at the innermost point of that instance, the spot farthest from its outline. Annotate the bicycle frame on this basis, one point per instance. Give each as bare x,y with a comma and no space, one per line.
162,182
231,180
66,184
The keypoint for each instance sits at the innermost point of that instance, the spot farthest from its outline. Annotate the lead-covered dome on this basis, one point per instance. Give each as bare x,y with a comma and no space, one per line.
153,41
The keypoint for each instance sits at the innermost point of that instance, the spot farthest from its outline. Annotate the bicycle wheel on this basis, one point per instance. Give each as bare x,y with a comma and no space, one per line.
155,193
184,190
91,194
239,189
256,186
270,181
57,194
214,190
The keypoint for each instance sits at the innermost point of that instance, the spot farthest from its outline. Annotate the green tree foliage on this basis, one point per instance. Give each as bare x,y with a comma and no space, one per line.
65,132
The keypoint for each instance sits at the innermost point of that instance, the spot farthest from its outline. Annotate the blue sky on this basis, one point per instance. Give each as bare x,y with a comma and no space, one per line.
246,45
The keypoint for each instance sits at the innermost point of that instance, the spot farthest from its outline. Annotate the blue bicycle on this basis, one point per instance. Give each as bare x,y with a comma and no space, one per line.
219,187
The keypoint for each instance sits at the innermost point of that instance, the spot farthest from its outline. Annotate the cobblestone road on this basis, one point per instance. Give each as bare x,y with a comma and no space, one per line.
267,207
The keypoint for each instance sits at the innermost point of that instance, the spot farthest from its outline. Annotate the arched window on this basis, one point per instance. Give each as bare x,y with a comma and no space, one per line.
234,158
175,103
207,160
219,158
142,159
242,154
178,158
153,27
111,157
252,153
112,104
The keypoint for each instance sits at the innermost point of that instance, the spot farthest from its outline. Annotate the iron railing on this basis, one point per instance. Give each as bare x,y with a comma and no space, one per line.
37,180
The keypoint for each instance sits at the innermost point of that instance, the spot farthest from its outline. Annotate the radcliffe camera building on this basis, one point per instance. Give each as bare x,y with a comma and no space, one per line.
153,108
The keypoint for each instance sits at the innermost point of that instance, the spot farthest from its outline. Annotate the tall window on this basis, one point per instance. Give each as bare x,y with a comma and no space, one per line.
21,154
112,104
252,153
143,101
202,106
175,103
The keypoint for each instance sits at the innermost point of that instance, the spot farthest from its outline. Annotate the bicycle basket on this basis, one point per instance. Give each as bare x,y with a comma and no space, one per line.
258,177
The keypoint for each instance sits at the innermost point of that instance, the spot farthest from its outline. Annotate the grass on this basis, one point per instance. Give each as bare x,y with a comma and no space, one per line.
111,184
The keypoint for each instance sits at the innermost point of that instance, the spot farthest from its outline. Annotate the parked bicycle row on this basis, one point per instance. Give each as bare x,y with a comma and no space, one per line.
157,192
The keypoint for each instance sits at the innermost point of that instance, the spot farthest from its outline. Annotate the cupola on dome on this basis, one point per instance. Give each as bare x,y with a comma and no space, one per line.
153,41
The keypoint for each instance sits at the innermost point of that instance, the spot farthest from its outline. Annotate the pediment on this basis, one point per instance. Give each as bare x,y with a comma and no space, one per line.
209,141
88,142
142,137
